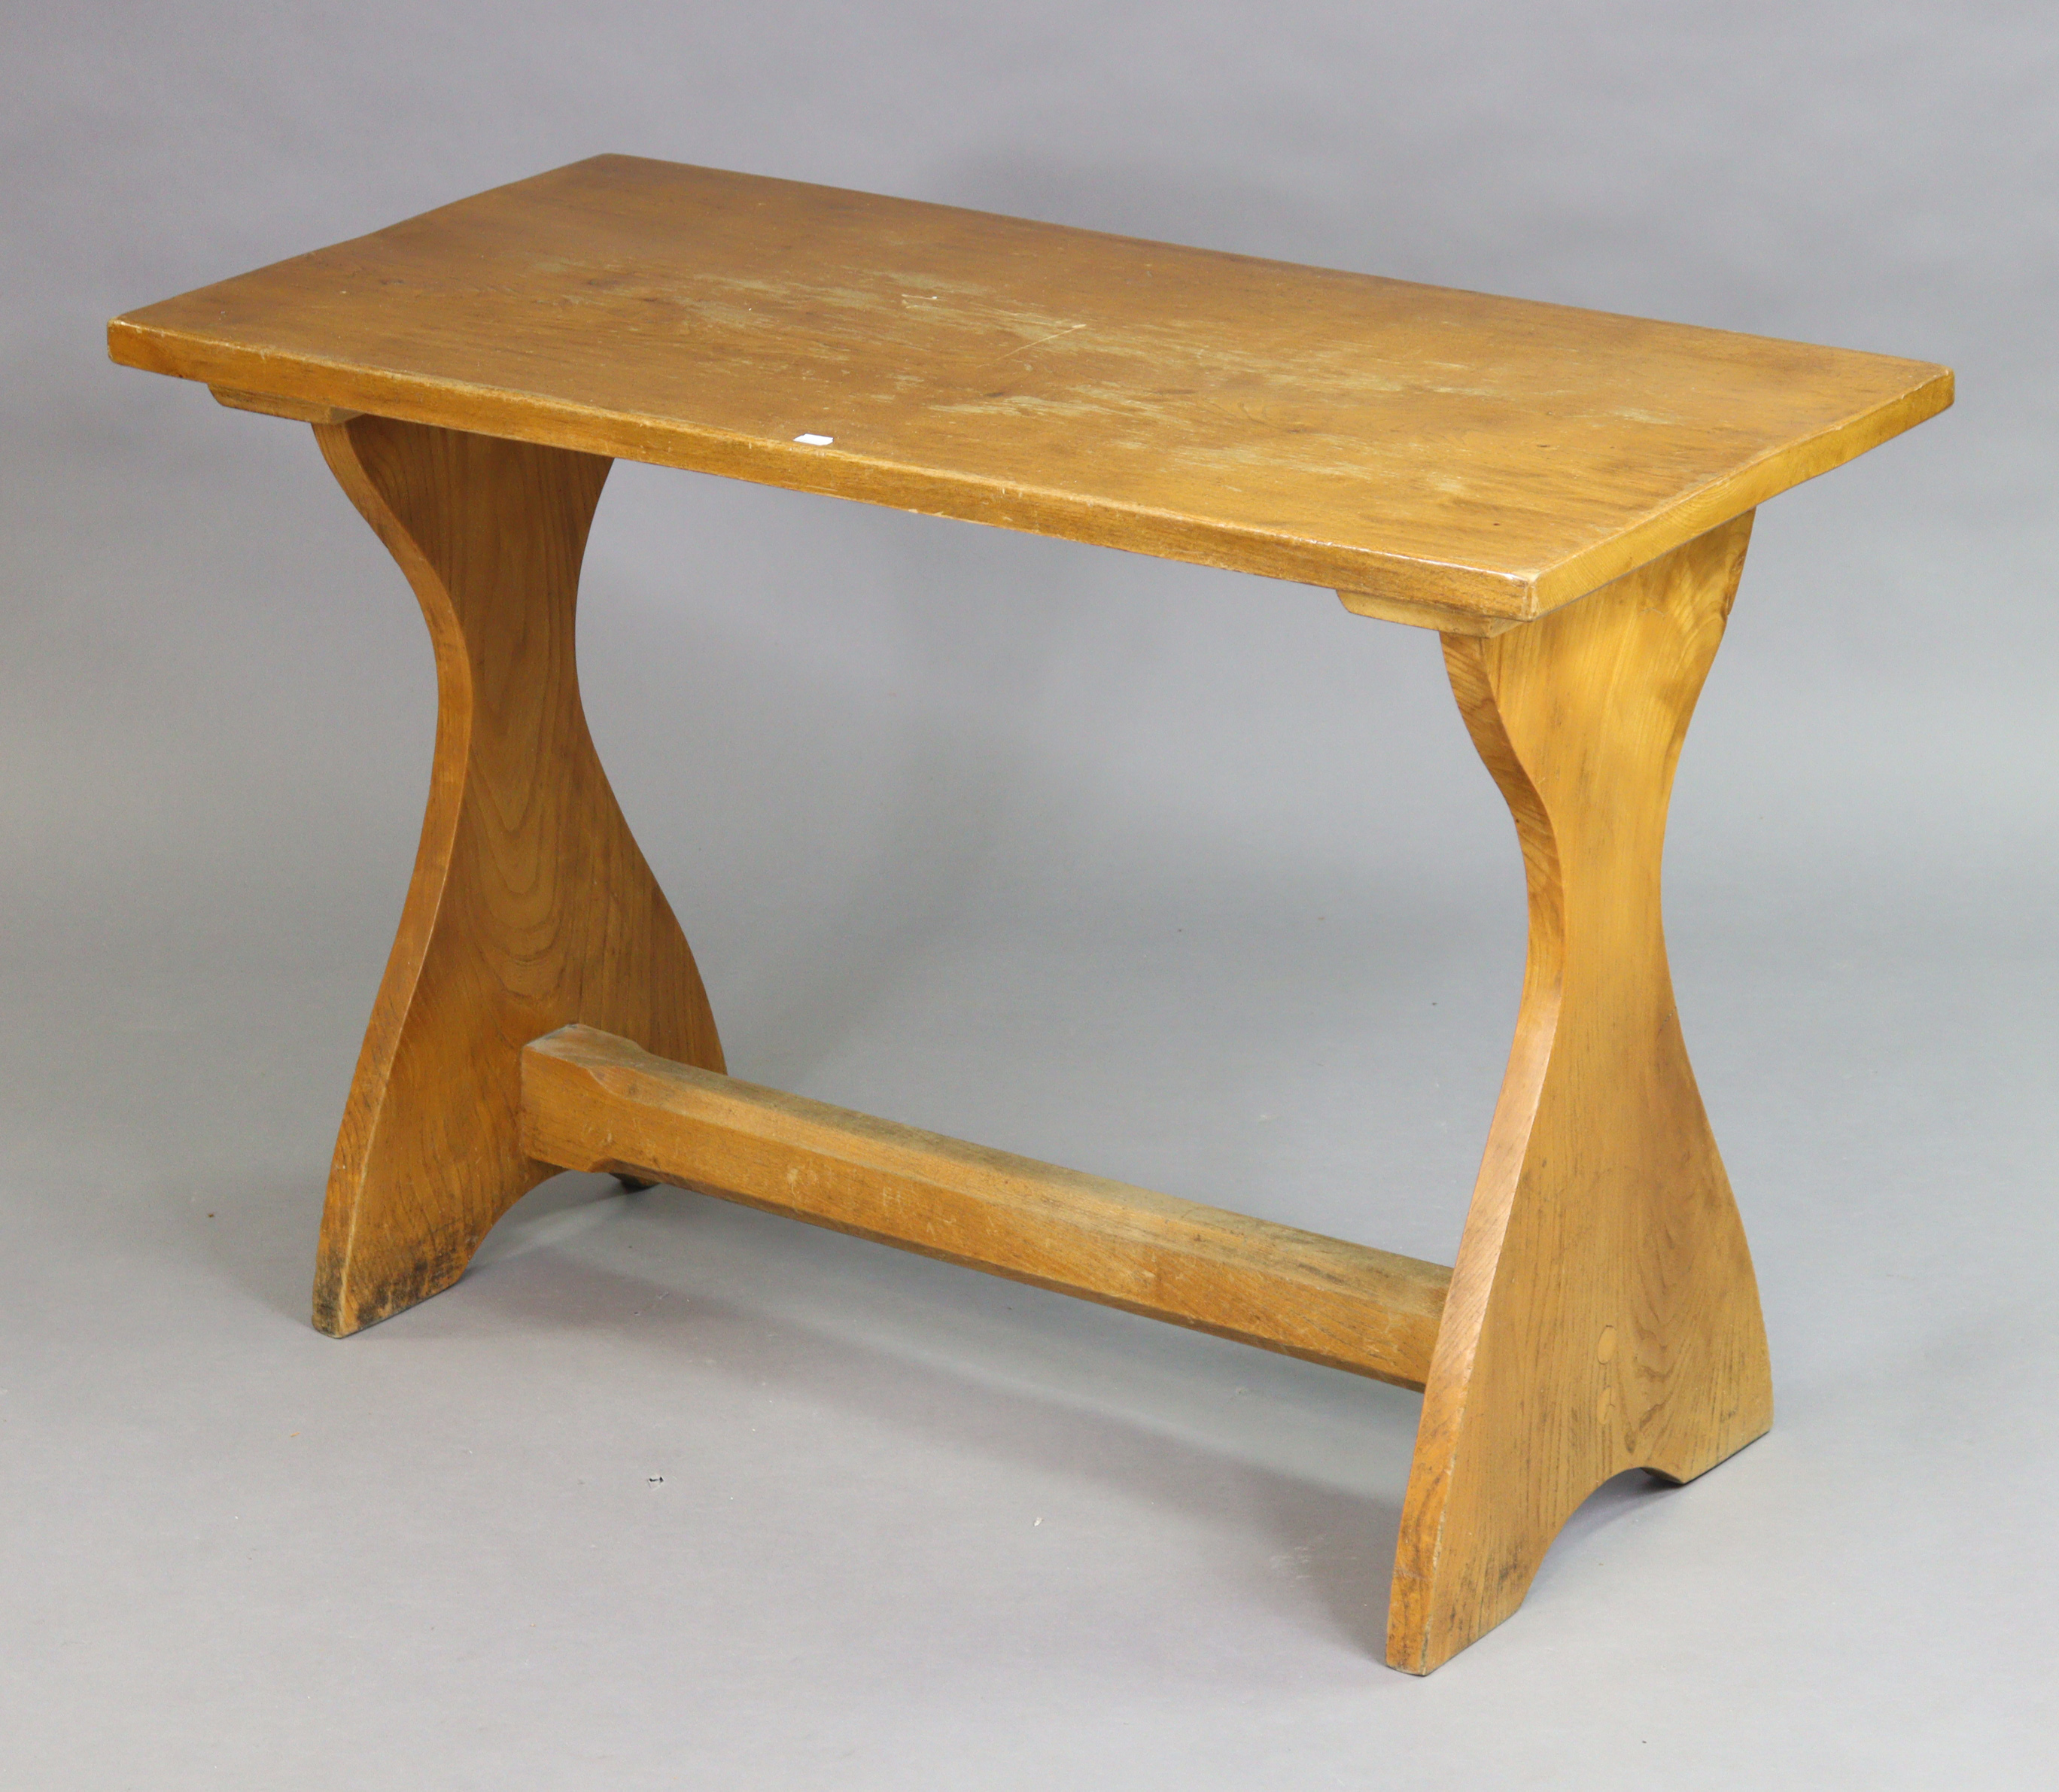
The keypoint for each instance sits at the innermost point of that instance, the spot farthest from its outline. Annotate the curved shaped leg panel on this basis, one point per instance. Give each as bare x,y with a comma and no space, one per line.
530,905
1603,1314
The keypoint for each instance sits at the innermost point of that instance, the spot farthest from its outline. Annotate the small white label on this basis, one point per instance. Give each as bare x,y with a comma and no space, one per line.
816,441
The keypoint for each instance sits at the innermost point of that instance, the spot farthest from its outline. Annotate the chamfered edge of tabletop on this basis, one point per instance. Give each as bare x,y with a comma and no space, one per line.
1410,583
1777,470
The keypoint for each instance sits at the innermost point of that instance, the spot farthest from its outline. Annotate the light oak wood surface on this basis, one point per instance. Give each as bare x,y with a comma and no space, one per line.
592,1101
530,905
270,404
1566,495
1433,454
1603,1314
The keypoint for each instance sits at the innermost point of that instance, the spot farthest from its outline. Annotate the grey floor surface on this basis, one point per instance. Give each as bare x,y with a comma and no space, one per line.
1178,877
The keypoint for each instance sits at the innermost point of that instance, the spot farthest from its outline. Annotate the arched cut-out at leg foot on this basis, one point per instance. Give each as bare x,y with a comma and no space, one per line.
1602,1313
531,906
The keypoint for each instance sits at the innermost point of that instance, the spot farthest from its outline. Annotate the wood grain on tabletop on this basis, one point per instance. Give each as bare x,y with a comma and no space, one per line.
1434,455
592,1101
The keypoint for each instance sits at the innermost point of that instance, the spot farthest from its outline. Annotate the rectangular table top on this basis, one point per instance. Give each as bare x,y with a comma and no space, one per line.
1495,457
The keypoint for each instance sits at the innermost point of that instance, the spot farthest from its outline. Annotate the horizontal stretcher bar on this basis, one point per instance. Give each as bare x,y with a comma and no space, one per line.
592,1101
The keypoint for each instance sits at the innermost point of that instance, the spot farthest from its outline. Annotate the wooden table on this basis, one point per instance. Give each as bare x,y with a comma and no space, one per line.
1565,495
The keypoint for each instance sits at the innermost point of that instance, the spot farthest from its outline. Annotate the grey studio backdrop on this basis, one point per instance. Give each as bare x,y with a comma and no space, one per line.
1175,875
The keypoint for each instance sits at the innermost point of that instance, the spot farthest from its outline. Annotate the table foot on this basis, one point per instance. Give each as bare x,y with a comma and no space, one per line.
1602,1313
530,905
